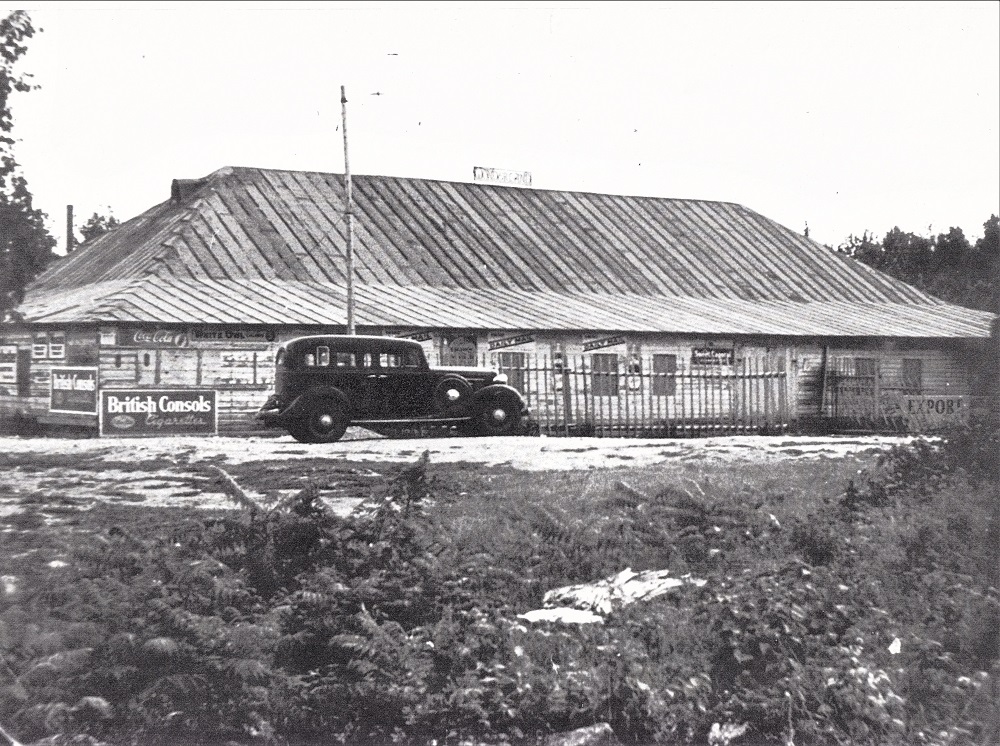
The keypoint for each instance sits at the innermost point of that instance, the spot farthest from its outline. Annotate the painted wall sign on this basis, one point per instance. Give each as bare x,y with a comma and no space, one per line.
40,346
8,364
712,356
73,390
933,410
501,176
239,334
138,412
418,336
57,345
521,339
164,338
596,344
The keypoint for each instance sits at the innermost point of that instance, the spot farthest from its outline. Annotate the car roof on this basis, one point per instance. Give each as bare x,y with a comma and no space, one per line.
351,341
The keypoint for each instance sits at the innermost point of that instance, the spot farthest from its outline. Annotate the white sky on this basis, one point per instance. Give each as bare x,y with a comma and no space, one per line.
848,116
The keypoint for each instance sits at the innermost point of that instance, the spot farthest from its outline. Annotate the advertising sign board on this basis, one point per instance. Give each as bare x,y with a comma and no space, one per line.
933,410
139,412
712,356
73,390
8,364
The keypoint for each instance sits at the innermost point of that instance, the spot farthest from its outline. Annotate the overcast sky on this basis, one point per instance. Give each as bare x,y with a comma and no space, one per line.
845,116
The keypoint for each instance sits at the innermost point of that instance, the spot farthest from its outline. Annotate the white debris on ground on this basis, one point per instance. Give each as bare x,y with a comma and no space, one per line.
566,616
590,602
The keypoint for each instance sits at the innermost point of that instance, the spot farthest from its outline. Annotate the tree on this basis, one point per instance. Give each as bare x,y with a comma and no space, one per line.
98,225
25,243
946,266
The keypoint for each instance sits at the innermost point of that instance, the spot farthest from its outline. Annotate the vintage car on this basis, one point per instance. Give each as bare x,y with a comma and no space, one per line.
322,384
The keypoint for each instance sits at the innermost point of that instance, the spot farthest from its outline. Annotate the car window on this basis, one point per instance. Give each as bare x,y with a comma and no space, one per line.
322,356
345,360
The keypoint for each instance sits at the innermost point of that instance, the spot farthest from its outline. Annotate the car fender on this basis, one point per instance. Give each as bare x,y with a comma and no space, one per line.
498,390
303,401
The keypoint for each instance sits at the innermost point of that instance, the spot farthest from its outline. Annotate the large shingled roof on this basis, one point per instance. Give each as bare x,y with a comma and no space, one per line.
429,249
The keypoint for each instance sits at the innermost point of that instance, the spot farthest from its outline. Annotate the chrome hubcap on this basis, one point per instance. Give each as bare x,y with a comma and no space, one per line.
499,415
453,395
325,421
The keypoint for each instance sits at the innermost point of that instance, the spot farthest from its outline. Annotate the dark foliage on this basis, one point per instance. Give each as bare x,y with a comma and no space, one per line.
946,265
25,243
869,620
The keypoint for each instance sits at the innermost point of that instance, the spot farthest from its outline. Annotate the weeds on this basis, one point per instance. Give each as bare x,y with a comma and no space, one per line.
858,612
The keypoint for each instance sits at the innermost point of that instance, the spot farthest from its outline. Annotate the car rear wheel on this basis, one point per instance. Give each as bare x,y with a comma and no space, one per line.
300,432
326,422
498,416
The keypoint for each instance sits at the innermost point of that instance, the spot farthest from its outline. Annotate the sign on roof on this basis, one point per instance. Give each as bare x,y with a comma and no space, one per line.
501,176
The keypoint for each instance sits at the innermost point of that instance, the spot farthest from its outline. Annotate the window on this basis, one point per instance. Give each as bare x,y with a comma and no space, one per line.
913,374
604,374
512,363
664,370
344,360
400,359
323,356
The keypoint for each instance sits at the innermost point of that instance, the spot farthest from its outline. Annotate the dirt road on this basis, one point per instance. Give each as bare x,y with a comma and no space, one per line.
529,453
179,468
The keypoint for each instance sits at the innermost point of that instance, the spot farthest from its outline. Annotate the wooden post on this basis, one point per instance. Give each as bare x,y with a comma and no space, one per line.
349,270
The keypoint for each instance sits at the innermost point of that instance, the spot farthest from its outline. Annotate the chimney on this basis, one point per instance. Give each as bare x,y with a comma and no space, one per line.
70,242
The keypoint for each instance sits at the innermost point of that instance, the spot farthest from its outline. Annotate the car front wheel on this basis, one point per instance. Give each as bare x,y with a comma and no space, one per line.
498,416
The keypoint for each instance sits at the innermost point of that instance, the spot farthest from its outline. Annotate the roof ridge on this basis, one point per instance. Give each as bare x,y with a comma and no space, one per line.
230,170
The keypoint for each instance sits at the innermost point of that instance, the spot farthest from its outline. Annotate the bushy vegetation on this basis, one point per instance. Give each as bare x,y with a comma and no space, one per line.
864,614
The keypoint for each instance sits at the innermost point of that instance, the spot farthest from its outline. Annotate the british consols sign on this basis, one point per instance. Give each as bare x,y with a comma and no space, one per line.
73,390
139,412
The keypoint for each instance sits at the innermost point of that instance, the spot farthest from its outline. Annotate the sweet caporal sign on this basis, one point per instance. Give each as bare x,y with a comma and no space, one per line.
137,412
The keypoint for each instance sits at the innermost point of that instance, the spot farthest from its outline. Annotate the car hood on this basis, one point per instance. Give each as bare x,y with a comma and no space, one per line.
477,373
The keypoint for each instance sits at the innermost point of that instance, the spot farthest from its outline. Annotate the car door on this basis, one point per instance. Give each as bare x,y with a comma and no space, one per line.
408,384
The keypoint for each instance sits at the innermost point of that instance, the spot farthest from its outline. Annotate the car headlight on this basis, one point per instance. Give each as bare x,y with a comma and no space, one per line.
499,378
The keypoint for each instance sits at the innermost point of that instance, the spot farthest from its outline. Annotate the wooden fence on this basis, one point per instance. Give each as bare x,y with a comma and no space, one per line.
609,395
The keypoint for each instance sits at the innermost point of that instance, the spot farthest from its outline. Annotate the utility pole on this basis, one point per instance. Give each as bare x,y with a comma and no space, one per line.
350,218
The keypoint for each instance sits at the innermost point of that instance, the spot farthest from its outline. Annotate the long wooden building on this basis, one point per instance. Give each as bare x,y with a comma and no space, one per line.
614,314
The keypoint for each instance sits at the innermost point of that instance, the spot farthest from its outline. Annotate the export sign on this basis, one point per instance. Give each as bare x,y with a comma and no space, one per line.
138,412
930,410
73,390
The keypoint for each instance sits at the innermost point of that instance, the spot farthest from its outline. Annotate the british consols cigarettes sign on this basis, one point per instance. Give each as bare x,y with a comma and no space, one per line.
73,390
135,413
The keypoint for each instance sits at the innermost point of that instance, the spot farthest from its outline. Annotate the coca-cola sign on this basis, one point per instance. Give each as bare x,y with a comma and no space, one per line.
152,338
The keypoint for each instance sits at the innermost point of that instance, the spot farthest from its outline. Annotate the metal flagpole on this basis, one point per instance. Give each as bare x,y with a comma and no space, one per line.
350,219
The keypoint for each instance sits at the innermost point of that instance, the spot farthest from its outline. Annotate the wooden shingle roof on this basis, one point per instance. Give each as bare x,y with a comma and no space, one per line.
429,249
276,302
249,223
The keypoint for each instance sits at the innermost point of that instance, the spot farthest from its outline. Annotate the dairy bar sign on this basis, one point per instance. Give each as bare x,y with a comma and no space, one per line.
140,412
